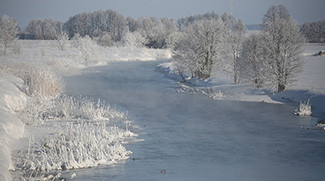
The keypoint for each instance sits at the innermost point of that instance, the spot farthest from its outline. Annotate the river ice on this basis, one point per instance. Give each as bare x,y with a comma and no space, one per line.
193,137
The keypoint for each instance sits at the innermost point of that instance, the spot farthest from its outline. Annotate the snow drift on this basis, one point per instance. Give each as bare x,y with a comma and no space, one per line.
11,127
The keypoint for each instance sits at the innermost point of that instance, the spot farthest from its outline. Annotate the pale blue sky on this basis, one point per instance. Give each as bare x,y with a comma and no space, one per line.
250,11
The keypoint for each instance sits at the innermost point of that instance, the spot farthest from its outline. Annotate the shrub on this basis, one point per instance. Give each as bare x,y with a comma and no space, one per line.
89,49
105,40
39,80
75,145
304,109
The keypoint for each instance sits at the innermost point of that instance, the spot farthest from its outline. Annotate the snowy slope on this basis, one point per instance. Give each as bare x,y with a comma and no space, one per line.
11,127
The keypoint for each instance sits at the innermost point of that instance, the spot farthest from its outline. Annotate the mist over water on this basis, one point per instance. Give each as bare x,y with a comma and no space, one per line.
193,137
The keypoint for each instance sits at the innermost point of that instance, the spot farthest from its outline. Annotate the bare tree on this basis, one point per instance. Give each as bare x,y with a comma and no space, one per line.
8,31
235,37
314,32
253,65
133,40
200,48
285,43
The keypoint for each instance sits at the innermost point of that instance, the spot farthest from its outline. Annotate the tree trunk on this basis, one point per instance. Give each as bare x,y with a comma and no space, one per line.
5,49
281,87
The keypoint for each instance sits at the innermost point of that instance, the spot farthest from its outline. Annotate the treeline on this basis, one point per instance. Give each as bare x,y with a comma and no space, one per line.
114,27
314,32
156,31
104,24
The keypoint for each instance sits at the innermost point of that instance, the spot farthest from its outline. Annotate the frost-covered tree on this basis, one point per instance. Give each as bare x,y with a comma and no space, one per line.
253,62
156,30
235,37
8,31
88,49
183,22
105,40
200,48
132,24
173,39
285,43
133,40
44,29
96,24
62,41
314,32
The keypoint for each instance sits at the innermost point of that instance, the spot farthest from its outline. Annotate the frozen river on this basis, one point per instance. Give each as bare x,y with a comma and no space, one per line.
193,137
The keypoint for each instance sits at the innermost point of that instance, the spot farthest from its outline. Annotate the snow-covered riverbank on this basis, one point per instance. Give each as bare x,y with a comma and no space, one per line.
310,85
14,100
21,104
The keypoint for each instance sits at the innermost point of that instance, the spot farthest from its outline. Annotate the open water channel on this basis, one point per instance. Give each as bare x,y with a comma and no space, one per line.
193,137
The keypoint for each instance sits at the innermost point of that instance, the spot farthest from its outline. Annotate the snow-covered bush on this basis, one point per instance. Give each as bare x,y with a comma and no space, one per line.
75,145
133,40
173,39
304,109
70,108
62,41
81,108
16,47
93,135
105,40
39,80
75,40
89,49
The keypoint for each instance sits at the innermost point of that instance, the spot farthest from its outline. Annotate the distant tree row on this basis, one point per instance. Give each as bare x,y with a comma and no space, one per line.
314,32
43,29
98,23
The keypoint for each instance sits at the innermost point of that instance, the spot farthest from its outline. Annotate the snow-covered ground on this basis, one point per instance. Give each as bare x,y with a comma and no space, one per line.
30,120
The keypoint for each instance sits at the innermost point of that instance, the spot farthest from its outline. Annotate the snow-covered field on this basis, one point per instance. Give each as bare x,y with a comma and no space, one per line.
35,119
43,129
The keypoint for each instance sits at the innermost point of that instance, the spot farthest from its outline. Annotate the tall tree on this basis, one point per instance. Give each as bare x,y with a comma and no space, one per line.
200,48
8,31
235,37
253,65
285,43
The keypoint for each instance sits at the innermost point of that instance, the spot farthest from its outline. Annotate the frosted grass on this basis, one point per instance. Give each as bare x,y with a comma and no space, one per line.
304,109
84,133
75,145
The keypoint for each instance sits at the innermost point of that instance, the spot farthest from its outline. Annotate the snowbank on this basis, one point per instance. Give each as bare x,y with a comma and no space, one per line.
11,127
219,87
